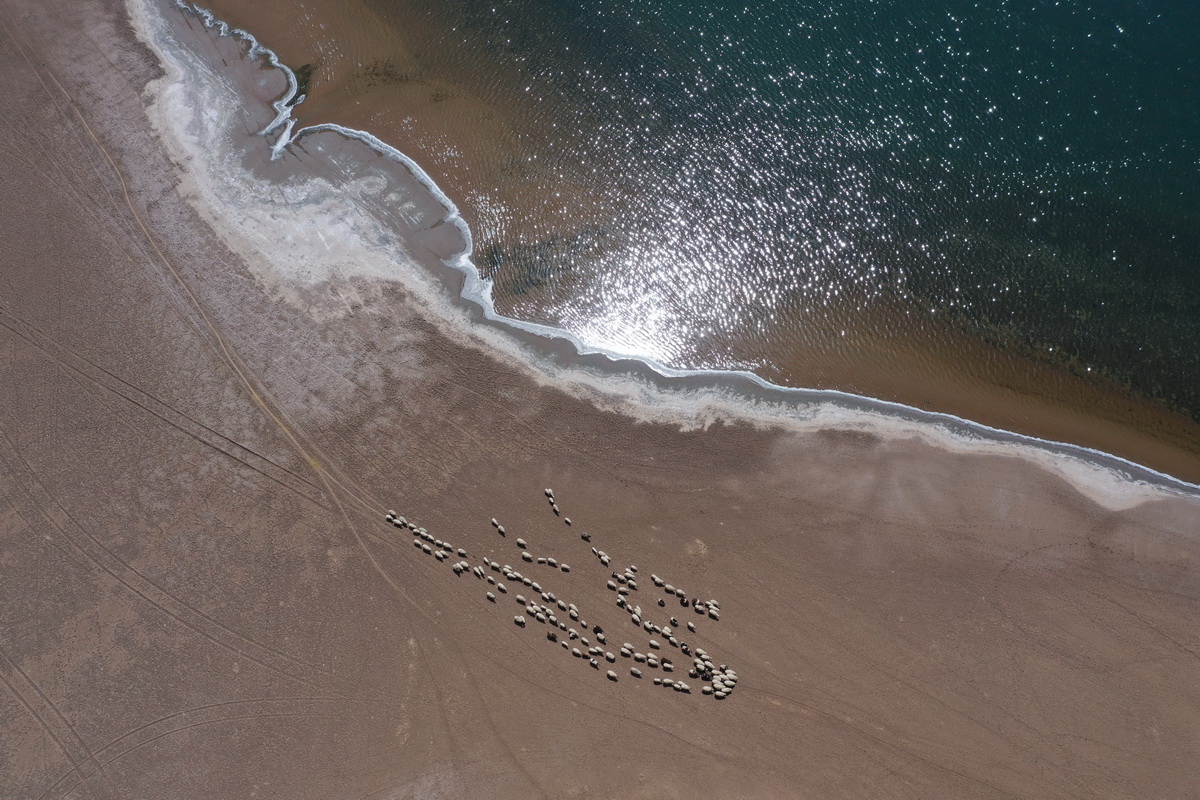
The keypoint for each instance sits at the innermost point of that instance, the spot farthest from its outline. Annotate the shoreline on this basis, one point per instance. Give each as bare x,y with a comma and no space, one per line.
214,386
716,394
476,150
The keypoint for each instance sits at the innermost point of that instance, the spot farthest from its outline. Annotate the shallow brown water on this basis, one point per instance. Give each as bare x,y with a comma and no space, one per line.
397,76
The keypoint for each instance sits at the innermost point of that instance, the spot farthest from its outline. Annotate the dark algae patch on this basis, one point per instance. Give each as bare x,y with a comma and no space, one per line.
304,75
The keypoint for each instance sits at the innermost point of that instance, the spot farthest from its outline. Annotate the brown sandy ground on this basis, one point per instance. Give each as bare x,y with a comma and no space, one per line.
200,599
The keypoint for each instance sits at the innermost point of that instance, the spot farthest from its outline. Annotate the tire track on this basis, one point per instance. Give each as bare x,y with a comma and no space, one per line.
100,752
182,612
7,668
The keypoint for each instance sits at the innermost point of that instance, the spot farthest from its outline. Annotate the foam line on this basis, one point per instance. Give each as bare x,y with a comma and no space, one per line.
713,388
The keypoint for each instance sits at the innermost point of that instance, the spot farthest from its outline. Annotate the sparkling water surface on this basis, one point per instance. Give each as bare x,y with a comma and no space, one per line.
741,182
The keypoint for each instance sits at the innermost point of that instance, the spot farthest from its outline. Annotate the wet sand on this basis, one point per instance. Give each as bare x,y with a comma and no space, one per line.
202,598
397,76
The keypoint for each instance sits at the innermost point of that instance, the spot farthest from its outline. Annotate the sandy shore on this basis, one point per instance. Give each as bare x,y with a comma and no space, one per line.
203,427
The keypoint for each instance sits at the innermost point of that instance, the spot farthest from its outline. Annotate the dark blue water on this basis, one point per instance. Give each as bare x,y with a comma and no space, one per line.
741,180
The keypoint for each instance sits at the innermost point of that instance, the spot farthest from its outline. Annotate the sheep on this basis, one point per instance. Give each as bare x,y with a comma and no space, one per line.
500,586
519,620
521,599
390,516
526,557
657,581
612,587
668,666
691,627
541,560
662,603
527,582
639,657
605,561
426,548
552,562
439,555
552,636
575,652
651,661
609,657
562,606
669,589
500,530
491,597
658,681
599,635
612,676
520,543
587,537
620,602
495,524
595,664
491,580
554,508
706,689
635,672
713,615
549,493
416,542
565,567
541,618
626,652
567,520
655,645
681,594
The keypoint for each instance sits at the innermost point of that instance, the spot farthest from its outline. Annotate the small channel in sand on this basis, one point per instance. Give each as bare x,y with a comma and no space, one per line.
328,203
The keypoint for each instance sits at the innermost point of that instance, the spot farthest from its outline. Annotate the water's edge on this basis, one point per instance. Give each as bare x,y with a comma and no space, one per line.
712,395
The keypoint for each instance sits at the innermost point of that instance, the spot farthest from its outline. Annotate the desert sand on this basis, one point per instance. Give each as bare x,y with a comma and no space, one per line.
201,596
